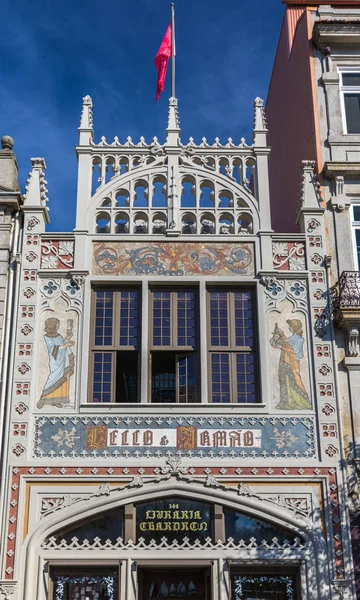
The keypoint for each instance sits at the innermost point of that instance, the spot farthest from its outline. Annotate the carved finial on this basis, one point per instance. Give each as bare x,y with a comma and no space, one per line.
36,191
86,121
7,143
310,193
260,128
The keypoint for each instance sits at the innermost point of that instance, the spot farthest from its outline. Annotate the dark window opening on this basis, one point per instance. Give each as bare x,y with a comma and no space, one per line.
126,376
173,341
352,112
173,377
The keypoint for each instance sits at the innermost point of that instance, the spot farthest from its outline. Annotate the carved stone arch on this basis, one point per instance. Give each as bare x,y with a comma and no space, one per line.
314,553
223,182
182,487
243,198
147,171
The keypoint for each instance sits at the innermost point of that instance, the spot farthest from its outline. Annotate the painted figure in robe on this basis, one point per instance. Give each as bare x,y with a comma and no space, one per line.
293,395
56,390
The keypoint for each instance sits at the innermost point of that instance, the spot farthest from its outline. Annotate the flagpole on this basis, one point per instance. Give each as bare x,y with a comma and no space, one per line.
172,50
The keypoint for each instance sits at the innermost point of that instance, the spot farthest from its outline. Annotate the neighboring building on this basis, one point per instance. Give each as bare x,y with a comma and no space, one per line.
316,82
10,244
174,413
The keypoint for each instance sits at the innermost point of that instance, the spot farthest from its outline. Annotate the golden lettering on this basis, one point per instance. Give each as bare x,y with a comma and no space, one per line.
96,437
194,526
184,514
197,515
143,525
203,526
176,515
159,526
184,526
176,527
150,514
151,526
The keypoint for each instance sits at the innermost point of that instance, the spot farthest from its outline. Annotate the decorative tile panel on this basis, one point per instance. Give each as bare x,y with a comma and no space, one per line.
171,258
159,436
289,256
57,254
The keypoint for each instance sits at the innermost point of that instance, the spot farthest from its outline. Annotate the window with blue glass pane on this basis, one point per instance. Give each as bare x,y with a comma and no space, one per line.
186,318
187,378
233,370
220,377
356,210
104,318
219,318
243,319
102,377
161,318
115,345
245,370
128,317
357,239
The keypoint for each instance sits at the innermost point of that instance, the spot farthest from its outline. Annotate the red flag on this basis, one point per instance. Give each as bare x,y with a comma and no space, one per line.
161,61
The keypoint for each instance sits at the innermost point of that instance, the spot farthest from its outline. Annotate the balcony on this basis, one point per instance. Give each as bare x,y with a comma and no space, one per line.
348,292
346,309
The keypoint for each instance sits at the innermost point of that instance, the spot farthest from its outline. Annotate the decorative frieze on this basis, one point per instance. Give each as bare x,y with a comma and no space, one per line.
172,259
157,436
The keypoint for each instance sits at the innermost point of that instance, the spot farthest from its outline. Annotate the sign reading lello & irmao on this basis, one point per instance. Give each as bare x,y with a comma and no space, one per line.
183,438
156,436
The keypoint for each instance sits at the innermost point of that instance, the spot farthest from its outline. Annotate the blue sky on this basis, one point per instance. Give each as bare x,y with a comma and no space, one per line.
54,53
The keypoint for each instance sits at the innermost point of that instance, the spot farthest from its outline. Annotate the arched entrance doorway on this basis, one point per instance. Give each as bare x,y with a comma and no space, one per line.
176,540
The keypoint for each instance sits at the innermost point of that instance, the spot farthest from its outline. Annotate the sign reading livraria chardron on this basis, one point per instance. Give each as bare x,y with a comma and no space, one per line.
172,258
174,518
162,436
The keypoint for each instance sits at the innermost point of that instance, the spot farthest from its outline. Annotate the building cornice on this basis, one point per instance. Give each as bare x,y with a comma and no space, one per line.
336,32
350,169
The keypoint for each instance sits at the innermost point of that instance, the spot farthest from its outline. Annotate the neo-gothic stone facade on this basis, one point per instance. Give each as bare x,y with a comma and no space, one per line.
172,416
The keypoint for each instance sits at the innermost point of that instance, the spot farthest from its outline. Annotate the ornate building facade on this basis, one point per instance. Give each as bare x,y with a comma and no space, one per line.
318,69
172,415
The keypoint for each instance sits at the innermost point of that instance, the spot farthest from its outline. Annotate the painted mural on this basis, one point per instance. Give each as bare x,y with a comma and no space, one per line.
171,258
57,357
289,364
